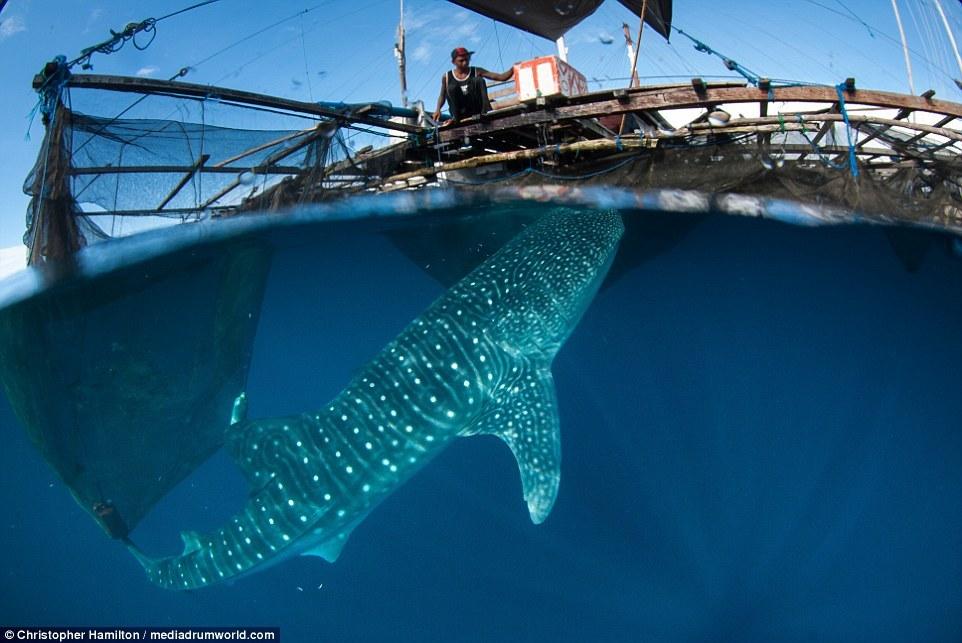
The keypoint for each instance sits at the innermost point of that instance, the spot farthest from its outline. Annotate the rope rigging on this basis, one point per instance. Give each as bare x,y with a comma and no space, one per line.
732,65
129,33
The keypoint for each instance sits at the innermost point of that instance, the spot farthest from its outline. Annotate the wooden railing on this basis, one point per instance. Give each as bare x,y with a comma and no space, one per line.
503,94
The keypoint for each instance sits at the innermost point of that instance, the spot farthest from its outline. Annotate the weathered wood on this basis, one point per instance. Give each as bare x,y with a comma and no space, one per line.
501,157
203,92
853,118
179,169
183,181
267,166
360,159
765,139
168,213
902,115
826,126
263,146
682,96
501,93
630,143
942,123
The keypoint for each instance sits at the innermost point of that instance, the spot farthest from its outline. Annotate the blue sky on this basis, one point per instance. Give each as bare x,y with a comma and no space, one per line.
343,50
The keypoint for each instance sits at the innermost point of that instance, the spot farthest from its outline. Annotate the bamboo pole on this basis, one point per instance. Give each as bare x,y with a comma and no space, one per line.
631,54
905,46
183,181
948,32
401,59
766,125
634,61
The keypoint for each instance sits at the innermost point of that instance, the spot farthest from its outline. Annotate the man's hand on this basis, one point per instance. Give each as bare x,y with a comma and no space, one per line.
436,116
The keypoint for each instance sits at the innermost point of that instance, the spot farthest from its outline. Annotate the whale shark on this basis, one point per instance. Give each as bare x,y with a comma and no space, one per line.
477,361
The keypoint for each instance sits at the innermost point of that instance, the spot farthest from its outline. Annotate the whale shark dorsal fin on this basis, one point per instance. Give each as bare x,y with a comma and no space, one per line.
191,541
524,413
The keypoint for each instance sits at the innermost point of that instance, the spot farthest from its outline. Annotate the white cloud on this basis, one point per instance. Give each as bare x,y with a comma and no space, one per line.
10,26
422,53
145,72
416,20
92,19
431,28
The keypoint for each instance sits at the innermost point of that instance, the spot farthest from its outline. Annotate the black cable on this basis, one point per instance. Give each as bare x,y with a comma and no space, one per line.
259,32
185,10
932,65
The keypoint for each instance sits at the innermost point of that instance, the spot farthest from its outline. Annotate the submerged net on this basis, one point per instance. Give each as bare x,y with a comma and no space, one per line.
924,194
125,382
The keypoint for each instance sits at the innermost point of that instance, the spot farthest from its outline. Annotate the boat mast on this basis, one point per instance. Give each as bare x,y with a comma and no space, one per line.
905,46
631,54
634,56
948,31
562,49
399,54
641,30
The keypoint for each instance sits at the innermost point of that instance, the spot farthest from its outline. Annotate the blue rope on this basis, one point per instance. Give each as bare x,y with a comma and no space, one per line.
732,65
50,92
826,161
852,165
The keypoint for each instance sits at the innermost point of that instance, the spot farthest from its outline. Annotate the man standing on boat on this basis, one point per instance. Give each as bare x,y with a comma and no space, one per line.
464,89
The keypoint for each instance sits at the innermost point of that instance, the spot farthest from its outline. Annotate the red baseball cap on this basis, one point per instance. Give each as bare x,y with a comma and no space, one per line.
460,51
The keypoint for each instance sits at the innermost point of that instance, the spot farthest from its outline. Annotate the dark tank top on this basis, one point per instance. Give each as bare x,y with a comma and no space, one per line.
466,97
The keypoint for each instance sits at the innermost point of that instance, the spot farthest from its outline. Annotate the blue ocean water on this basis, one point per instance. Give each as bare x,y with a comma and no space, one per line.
761,437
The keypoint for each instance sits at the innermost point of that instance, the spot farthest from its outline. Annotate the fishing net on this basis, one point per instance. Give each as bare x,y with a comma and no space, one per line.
99,177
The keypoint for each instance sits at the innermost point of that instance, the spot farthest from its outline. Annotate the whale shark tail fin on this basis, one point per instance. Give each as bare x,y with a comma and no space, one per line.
524,414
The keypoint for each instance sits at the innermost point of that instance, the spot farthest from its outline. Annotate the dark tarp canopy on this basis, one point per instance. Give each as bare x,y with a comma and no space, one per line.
553,18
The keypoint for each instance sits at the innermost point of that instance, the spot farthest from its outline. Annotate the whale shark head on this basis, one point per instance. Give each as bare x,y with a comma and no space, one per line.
541,300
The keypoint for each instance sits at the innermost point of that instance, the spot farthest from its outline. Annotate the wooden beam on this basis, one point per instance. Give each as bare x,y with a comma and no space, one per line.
360,159
902,115
682,96
599,145
874,135
853,118
763,140
263,146
166,213
177,188
179,169
203,92
942,123
266,166
941,146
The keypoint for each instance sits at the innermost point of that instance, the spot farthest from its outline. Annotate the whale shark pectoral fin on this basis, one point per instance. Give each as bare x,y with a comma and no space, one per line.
191,541
330,549
525,416
239,411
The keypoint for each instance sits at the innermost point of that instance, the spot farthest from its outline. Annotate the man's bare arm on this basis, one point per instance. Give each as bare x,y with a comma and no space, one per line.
500,77
441,99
